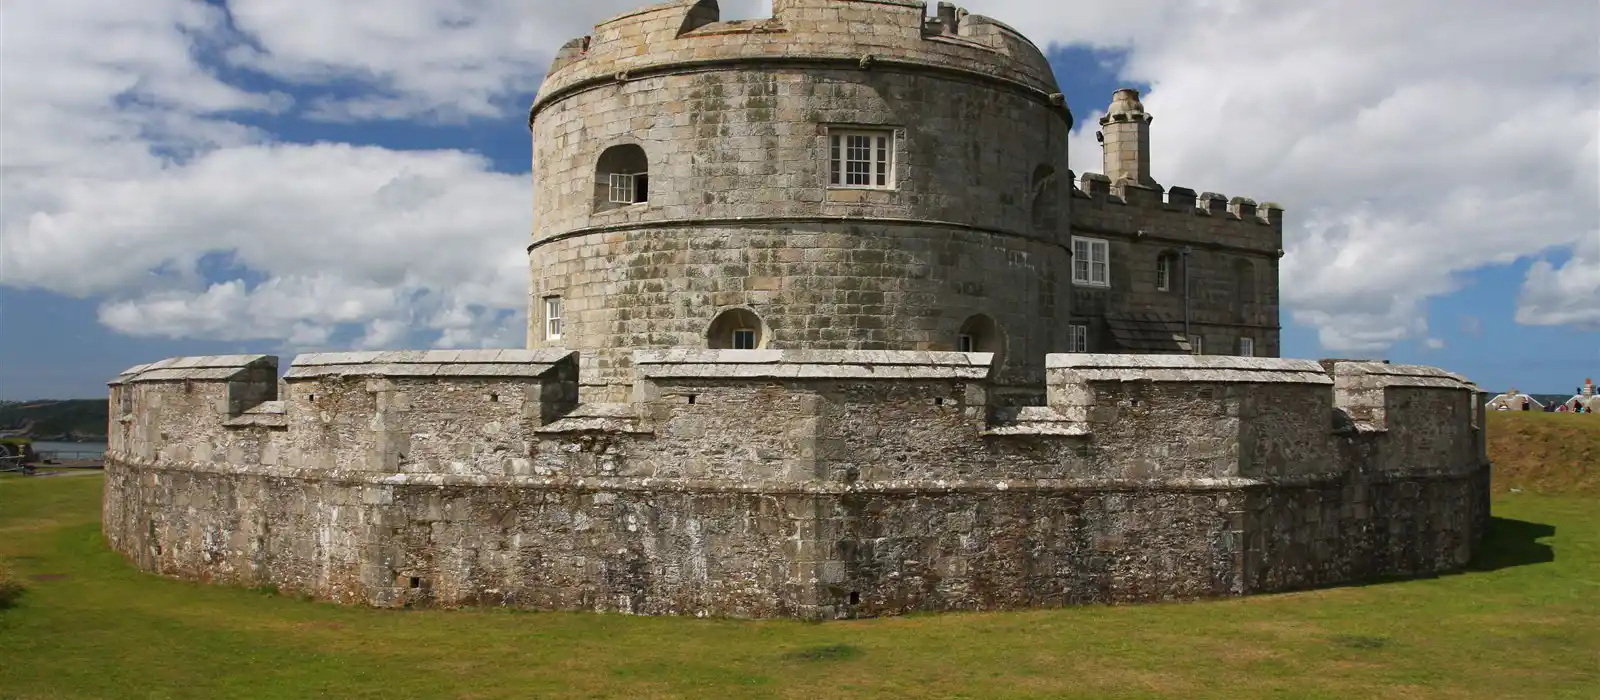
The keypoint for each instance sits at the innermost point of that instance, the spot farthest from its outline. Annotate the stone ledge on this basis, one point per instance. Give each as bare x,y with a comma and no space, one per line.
205,367
598,418
1083,367
267,414
711,486
1403,375
429,363
1038,421
810,364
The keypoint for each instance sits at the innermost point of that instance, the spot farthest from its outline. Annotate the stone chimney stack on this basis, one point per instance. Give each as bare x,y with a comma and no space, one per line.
1125,137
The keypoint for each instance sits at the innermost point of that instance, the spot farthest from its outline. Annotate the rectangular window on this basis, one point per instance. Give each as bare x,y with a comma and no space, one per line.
621,188
1197,345
965,343
1247,347
1163,273
1078,338
860,159
552,318
744,339
1091,262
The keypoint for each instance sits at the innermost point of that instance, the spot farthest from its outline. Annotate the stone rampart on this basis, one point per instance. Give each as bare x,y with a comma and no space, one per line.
813,484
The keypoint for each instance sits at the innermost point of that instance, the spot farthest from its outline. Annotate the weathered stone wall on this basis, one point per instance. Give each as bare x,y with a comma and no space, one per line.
780,483
734,120
1232,265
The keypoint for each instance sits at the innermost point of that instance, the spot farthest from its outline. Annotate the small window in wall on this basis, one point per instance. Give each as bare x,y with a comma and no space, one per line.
1247,347
552,318
736,329
861,158
1164,264
622,177
1197,345
1091,262
744,339
1077,338
979,333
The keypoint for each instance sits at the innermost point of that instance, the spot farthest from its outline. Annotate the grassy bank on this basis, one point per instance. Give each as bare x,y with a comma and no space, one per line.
1548,453
1523,625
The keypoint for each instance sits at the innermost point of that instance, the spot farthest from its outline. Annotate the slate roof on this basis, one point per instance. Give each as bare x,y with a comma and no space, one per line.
1147,331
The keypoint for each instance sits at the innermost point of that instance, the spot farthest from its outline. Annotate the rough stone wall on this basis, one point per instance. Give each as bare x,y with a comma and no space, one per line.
1141,224
805,484
734,122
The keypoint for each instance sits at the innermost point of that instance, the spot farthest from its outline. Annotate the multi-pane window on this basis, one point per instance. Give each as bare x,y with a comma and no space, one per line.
552,318
1247,347
629,188
744,339
1078,338
1091,262
1197,345
860,159
1164,273
621,188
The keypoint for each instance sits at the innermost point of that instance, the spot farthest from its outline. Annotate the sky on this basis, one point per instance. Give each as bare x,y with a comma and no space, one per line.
181,177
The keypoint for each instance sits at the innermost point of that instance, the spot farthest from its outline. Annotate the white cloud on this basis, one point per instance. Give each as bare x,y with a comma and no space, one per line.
1434,343
1410,140
1565,295
441,59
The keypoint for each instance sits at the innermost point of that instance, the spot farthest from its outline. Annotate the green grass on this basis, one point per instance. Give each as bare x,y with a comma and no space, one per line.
1525,624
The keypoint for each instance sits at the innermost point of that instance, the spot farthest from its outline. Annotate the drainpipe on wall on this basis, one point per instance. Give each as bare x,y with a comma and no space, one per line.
1185,253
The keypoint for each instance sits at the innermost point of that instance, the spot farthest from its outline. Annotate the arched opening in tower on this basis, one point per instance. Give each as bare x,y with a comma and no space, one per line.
980,333
736,329
622,177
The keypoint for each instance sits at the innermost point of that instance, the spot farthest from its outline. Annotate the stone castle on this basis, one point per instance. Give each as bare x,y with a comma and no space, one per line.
821,325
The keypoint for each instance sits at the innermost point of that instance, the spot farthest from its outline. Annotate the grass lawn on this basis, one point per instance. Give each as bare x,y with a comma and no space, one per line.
1550,453
1524,624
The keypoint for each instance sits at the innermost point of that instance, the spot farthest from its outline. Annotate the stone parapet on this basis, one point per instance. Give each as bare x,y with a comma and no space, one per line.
864,34
814,484
1176,214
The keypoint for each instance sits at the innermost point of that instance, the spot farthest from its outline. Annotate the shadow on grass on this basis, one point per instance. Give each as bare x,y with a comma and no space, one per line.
1510,543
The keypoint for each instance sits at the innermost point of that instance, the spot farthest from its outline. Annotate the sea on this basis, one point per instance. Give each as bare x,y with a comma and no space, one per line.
71,450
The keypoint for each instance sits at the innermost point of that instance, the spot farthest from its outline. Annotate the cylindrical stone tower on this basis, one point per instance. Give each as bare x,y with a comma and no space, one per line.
848,174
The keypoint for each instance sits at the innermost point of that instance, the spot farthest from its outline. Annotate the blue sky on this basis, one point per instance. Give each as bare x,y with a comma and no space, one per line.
163,238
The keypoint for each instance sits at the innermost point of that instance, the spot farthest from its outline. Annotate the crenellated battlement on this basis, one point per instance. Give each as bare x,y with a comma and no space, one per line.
1097,190
1100,205
859,34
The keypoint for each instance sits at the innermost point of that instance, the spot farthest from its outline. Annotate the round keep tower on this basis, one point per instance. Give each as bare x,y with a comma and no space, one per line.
848,174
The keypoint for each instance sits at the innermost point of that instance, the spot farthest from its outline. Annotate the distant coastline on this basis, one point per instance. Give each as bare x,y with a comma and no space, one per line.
72,420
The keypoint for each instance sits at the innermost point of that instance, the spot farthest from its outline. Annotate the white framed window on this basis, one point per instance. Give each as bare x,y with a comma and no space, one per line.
861,158
1077,338
1164,273
744,339
622,189
1247,347
1197,345
1091,262
552,318
966,343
